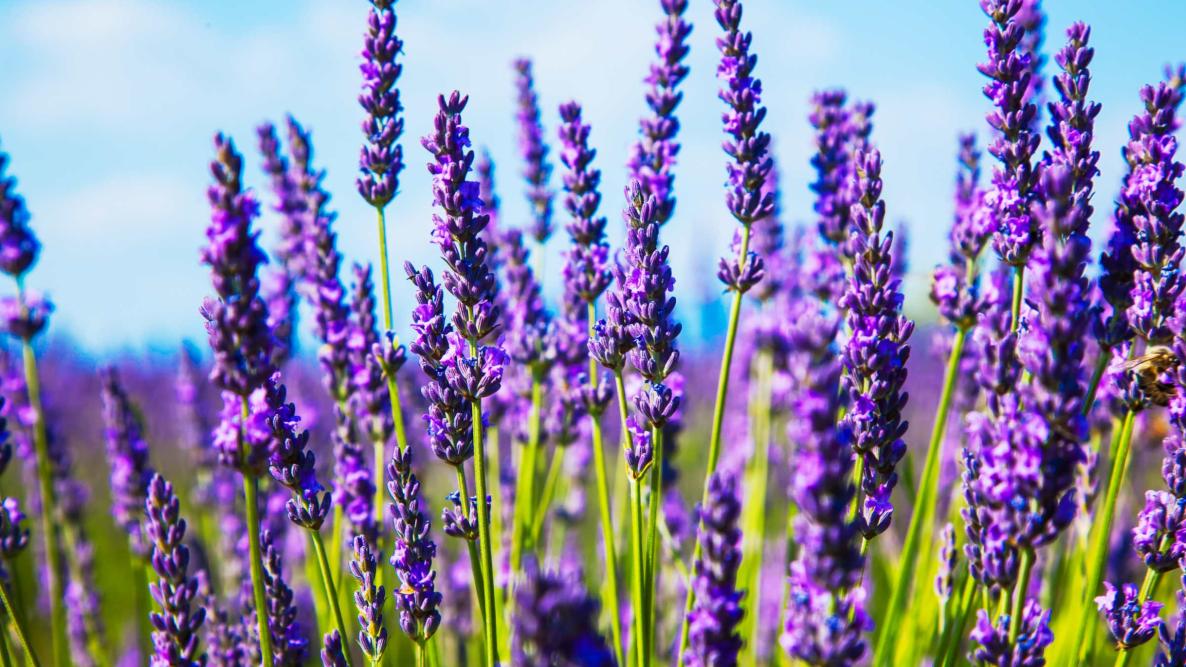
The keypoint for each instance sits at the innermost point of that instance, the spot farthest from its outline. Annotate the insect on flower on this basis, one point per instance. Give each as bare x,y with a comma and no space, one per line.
1150,371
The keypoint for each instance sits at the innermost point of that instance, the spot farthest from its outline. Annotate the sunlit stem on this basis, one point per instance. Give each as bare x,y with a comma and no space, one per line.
251,499
328,579
718,420
19,627
922,518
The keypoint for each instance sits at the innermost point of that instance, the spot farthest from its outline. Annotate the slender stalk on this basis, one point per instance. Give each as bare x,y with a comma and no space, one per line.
251,495
603,507
653,518
753,530
420,654
5,655
328,578
19,627
53,551
1018,292
923,516
1021,588
949,645
475,560
546,498
718,420
484,530
642,650
1101,531
140,582
1101,364
337,539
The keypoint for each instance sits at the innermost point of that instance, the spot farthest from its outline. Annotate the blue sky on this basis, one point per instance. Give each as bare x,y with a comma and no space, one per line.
109,107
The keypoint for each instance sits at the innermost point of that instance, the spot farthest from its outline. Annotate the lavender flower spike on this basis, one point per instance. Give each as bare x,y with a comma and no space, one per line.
417,599
127,453
369,599
289,646
1028,650
176,626
876,352
382,156
1011,71
1131,621
332,651
537,170
586,267
18,246
747,146
713,637
555,622
653,156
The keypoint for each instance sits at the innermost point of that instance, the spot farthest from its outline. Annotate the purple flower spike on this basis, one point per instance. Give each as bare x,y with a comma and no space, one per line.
1131,621
18,246
326,294
1160,534
417,599
876,352
127,454
646,283
713,638
747,146
586,267
996,649
382,156
1011,70
1173,641
955,287
332,651
839,133
948,558
555,622
653,156
177,624
237,320
536,170
1148,182
25,318
369,599
291,462
289,646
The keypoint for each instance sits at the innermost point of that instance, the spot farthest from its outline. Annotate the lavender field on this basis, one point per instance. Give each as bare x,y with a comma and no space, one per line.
527,423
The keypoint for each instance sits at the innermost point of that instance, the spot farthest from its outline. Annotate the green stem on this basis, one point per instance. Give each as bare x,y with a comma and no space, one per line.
19,627
475,560
1101,531
328,578
949,645
754,520
1101,365
652,536
251,496
601,472
547,497
718,420
5,654
1021,589
927,504
642,650
53,549
484,529
525,491
381,212
1018,292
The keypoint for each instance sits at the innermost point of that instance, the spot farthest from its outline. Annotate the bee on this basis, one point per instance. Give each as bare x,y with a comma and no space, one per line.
1149,370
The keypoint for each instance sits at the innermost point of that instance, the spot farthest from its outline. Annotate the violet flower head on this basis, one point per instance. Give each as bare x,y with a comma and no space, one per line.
289,646
955,286
835,141
1159,537
586,266
653,156
326,293
1131,621
528,323
534,150
353,486
369,600
768,241
381,158
14,534
127,454
713,637
332,651
825,618
555,622
1173,641
1072,119
996,649
640,450
290,203
417,600
177,624
1148,153
948,558
291,462
448,421
647,284
18,246
746,144
1010,70
25,317
237,320
371,361
877,350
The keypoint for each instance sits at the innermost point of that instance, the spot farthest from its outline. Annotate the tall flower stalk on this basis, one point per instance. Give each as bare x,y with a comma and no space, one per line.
19,250
747,201
180,614
473,369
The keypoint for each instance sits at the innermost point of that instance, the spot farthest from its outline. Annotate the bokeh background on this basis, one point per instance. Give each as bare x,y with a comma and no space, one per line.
108,107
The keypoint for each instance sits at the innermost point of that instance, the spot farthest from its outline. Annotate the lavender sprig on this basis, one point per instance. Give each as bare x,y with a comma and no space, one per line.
713,638
534,151
178,622
653,157
289,645
417,599
127,453
555,622
381,158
